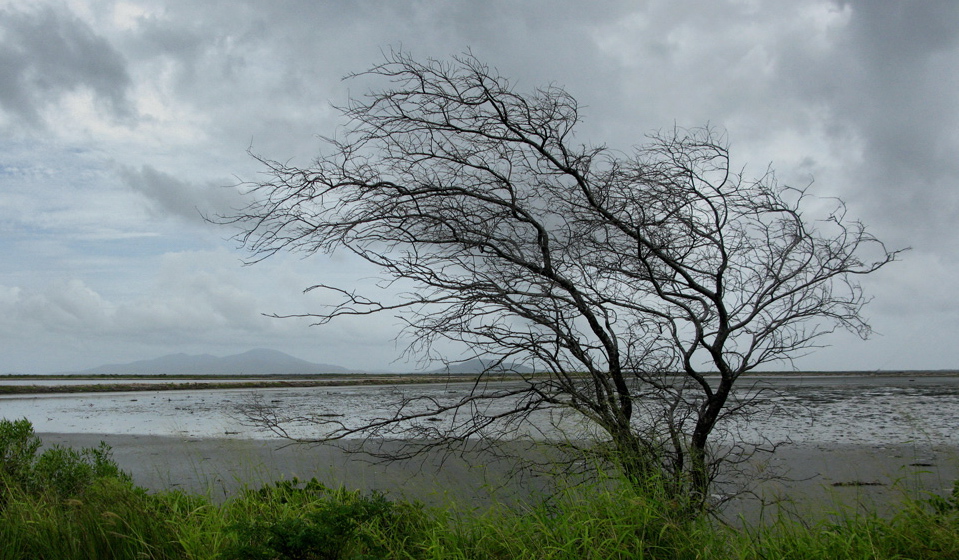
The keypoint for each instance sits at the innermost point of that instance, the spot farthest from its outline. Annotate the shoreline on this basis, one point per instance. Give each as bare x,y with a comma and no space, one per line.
806,478
137,383
202,383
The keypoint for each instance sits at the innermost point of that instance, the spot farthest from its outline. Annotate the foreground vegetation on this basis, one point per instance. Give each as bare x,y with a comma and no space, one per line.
61,503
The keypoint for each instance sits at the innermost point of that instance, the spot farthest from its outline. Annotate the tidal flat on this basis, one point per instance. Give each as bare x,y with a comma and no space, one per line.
804,409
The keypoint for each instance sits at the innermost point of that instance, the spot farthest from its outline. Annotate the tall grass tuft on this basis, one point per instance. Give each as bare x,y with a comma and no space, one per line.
111,520
922,529
581,523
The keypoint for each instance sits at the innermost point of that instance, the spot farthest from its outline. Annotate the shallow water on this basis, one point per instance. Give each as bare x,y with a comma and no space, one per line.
803,409
861,410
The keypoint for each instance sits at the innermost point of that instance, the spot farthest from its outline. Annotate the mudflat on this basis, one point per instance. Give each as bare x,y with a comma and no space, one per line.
222,466
817,479
807,478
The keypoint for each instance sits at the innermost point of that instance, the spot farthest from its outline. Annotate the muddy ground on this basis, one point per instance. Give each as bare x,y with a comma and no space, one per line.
808,479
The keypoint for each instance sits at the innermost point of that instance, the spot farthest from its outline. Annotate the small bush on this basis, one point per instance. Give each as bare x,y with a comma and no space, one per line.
320,524
18,449
66,472
65,503
58,472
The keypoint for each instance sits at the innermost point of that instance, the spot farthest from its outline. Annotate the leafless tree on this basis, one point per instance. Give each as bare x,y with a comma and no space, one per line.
640,286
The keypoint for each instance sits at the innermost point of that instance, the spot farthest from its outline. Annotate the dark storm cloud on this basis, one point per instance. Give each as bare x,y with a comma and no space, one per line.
268,74
903,100
858,96
895,32
47,53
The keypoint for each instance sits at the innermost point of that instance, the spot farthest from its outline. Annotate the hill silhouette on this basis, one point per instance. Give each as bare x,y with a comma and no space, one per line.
260,361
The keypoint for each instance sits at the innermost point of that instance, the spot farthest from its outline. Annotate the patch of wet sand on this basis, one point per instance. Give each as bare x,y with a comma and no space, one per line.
812,479
221,466
817,480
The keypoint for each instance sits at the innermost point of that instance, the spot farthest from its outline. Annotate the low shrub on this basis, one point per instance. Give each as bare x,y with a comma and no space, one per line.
65,503
58,472
18,450
294,521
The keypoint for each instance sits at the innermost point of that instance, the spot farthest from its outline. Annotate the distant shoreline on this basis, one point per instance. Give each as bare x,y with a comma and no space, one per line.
186,382
215,382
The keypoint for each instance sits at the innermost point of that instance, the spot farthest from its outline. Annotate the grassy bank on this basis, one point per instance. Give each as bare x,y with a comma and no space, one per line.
64,503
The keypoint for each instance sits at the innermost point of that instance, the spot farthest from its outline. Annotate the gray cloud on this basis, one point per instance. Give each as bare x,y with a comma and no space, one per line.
267,75
47,53
196,302
899,92
856,95
170,196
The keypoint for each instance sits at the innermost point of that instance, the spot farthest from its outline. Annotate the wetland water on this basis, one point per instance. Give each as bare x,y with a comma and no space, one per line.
814,409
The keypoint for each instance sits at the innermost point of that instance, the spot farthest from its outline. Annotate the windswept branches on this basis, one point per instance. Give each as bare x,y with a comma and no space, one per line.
640,286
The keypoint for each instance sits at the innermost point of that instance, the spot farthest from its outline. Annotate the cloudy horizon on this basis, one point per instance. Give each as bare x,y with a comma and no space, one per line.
124,123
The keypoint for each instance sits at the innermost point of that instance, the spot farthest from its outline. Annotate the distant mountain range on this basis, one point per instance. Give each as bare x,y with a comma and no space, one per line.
255,362
264,362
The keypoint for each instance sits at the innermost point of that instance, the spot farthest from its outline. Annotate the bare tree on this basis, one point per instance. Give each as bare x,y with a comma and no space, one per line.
641,286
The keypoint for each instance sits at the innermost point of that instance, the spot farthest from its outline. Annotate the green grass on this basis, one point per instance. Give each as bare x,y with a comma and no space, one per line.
64,504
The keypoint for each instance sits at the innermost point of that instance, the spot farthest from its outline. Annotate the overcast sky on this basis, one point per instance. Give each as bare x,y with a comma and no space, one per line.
122,122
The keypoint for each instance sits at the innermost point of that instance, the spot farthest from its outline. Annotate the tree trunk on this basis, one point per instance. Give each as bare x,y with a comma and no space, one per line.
699,470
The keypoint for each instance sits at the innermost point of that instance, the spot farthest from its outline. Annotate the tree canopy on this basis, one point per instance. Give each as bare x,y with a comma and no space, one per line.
639,285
